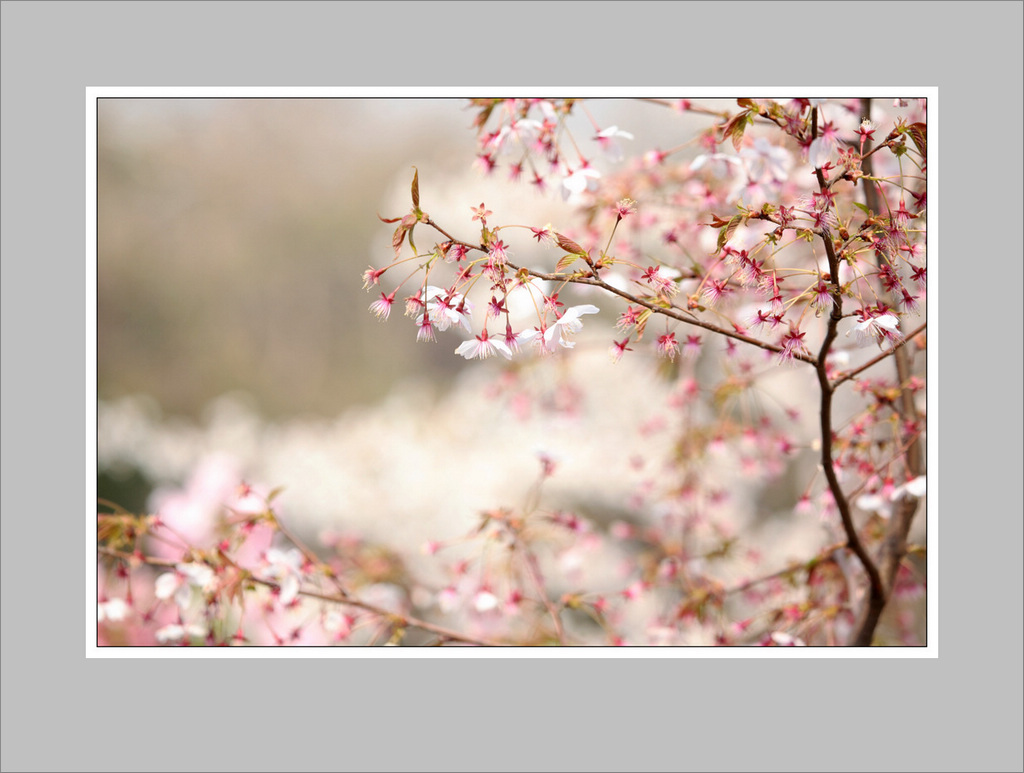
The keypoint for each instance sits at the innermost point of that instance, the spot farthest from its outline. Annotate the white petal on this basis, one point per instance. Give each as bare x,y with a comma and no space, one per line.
785,640
294,558
917,486
114,610
888,321
166,585
170,633
468,349
199,575
485,601
289,589
502,347
577,311
183,598
871,503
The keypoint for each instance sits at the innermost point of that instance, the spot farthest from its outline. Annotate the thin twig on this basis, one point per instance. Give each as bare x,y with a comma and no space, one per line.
398,619
310,556
823,554
874,361
594,280
538,581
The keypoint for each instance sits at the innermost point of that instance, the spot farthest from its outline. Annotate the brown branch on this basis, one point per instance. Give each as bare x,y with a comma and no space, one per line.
742,587
397,619
310,556
679,316
877,596
538,581
875,360
894,544
594,280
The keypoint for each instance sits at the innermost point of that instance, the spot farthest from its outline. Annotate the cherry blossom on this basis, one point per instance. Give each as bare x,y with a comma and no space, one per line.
382,306
618,348
372,276
765,162
175,633
114,610
446,308
483,346
424,329
575,183
186,584
875,329
824,146
718,165
608,139
568,324
730,265
285,568
668,346
792,343
783,639
662,279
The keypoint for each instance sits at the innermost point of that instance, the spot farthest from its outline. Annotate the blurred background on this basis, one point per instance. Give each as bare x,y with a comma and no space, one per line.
232,236
233,233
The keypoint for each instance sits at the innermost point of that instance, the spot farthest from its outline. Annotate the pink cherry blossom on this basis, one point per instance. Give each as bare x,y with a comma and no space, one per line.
618,348
668,346
382,306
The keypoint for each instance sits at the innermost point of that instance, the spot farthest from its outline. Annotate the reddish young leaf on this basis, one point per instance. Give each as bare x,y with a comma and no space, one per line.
569,245
919,134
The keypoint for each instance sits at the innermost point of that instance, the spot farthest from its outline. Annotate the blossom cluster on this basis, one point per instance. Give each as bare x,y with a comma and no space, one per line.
790,233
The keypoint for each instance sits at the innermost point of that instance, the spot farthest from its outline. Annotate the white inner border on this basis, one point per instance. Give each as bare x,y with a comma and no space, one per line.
93,93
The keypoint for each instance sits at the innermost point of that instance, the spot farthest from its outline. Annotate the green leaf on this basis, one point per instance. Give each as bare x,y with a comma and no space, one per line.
730,228
735,126
641,323
567,260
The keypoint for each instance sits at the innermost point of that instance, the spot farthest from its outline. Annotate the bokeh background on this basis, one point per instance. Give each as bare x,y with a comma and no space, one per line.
232,235
235,341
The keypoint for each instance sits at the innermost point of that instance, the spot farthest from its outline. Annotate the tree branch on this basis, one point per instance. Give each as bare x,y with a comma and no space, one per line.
398,619
875,360
894,544
594,280
878,595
